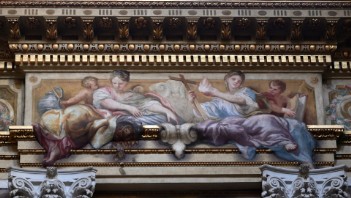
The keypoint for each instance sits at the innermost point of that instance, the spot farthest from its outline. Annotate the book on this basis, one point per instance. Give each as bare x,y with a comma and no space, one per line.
298,104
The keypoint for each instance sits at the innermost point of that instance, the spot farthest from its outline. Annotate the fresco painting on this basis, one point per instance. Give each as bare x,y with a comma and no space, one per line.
6,115
249,114
338,110
10,109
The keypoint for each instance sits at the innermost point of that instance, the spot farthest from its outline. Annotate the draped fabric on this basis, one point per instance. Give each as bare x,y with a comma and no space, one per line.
260,131
134,99
218,108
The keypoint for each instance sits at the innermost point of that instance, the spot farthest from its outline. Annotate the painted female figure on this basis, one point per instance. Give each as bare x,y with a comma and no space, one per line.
236,101
115,100
236,119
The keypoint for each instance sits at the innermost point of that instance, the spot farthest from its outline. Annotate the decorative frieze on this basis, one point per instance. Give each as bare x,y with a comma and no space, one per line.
286,62
52,183
170,47
326,132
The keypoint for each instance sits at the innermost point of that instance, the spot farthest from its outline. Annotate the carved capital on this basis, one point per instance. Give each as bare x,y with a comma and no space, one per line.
289,183
51,183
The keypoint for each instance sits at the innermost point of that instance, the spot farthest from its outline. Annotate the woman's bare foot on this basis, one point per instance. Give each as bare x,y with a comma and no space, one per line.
290,147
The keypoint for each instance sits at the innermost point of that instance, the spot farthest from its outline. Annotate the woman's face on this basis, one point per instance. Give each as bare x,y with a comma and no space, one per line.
118,84
234,82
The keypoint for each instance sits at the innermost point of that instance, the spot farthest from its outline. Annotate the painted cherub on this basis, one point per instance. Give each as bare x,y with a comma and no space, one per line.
89,84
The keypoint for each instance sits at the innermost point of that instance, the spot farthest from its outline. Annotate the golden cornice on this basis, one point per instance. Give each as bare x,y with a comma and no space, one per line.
180,4
326,132
342,156
164,151
21,133
5,138
27,47
175,164
9,157
161,62
345,138
332,132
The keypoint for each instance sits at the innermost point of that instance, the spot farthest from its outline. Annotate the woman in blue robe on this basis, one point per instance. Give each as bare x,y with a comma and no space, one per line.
235,118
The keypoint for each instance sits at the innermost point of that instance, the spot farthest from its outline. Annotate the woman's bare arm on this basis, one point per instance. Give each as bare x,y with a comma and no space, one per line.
206,87
114,105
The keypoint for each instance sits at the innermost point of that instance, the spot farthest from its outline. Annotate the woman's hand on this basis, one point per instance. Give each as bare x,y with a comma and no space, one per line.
206,87
289,112
191,96
135,111
171,117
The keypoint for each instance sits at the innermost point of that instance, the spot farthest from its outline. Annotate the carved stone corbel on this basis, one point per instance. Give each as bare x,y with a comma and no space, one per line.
191,30
157,29
123,29
226,29
15,32
296,30
51,29
178,136
88,29
331,30
261,31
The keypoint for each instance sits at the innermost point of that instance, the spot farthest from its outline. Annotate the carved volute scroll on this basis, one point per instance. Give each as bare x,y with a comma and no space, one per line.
51,183
289,183
178,136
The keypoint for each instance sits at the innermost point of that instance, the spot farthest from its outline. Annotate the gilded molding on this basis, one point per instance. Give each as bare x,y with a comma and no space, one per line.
5,138
178,62
9,157
184,47
345,138
14,29
175,164
326,132
21,132
180,4
164,151
342,156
